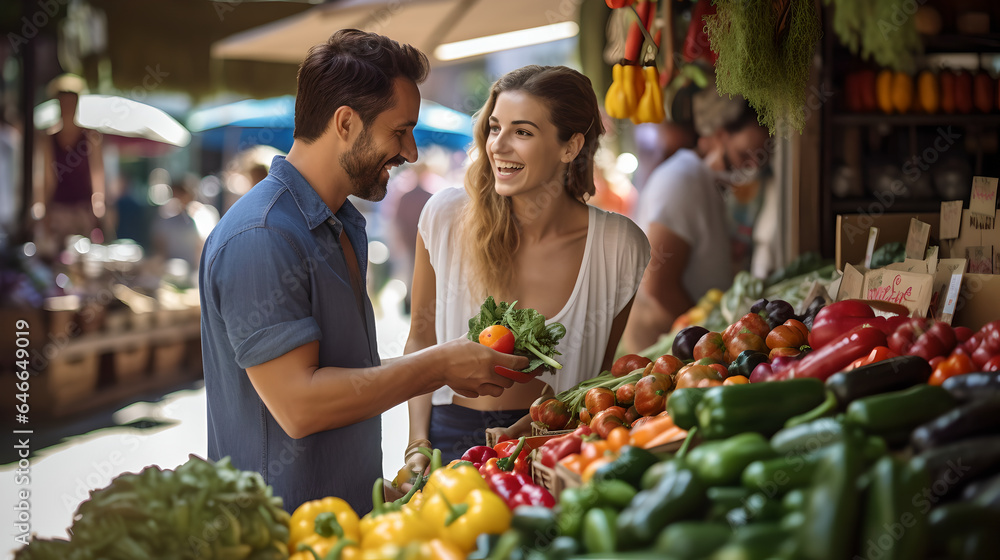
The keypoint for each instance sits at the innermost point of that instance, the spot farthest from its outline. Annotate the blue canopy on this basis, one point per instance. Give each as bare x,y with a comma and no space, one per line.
270,122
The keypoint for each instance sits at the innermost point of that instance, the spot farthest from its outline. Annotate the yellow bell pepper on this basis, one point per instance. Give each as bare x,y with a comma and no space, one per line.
322,522
434,549
315,547
478,511
650,109
454,482
614,101
632,96
397,528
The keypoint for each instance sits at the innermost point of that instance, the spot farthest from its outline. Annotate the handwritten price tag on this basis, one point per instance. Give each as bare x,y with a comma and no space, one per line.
951,219
983,202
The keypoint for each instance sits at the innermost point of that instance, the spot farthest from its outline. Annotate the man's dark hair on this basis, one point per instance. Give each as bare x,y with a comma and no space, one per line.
352,68
746,117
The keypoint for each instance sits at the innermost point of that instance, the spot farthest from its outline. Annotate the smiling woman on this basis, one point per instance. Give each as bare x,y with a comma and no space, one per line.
522,230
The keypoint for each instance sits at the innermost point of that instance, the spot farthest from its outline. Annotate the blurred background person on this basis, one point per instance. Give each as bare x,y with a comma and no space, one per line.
683,210
410,191
73,173
175,232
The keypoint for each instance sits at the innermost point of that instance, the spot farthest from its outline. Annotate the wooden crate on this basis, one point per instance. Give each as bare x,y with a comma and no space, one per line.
131,363
169,358
545,476
540,430
567,478
71,379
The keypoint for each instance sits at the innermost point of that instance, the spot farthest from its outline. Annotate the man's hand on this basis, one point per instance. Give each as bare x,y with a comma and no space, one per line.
468,368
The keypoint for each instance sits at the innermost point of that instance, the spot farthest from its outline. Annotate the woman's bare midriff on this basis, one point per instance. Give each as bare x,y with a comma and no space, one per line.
518,397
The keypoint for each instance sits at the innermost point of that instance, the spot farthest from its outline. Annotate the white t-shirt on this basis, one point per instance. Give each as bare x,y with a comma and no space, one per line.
614,259
681,195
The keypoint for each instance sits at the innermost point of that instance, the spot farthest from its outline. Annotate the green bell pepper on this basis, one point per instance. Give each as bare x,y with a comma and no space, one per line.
616,494
745,363
537,524
756,407
631,464
679,495
682,406
719,463
776,477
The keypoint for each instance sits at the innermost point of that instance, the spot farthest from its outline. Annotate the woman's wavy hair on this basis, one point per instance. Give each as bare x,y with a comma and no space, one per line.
490,231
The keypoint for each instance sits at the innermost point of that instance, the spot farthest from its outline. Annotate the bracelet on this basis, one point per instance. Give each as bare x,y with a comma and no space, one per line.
417,443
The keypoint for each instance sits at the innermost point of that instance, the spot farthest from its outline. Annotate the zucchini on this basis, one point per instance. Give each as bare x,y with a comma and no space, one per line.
893,374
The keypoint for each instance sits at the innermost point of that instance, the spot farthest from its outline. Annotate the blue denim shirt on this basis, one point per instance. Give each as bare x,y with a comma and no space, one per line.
274,277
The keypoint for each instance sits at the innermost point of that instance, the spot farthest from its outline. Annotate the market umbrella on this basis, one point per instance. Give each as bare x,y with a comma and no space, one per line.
425,24
270,122
121,117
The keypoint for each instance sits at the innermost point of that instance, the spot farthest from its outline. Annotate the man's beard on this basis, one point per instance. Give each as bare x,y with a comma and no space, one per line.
364,165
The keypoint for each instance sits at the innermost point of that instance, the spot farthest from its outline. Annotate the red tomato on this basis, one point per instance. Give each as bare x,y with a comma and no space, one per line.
628,363
693,375
607,420
625,395
536,408
710,345
956,364
554,414
598,399
497,337
651,394
667,364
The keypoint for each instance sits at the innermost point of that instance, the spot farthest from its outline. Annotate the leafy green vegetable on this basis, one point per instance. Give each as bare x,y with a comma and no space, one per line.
892,252
532,337
767,67
875,28
199,510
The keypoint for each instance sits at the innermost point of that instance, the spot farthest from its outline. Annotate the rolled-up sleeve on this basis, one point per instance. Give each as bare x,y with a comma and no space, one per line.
261,284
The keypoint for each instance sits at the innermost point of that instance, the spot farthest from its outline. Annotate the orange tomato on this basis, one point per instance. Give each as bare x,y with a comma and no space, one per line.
593,450
497,337
736,380
618,438
956,364
590,469
573,462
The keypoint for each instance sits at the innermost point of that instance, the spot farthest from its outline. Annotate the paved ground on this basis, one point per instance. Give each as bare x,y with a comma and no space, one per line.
159,432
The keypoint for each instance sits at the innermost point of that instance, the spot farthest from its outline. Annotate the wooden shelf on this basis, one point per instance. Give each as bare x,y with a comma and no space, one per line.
955,43
900,205
103,342
875,119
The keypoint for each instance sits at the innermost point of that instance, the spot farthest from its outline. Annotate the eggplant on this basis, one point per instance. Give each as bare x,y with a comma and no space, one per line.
685,340
893,374
954,466
985,492
972,386
979,417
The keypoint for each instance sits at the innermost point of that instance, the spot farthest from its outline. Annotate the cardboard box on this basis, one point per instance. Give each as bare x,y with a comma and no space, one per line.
978,301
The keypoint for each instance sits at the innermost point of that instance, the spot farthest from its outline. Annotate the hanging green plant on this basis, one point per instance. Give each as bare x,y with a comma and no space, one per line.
880,30
765,49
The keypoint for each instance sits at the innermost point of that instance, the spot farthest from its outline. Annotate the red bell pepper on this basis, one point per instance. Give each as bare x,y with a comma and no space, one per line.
837,319
478,455
508,460
924,338
696,43
618,3
634,39
879,354
532,495
837,355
